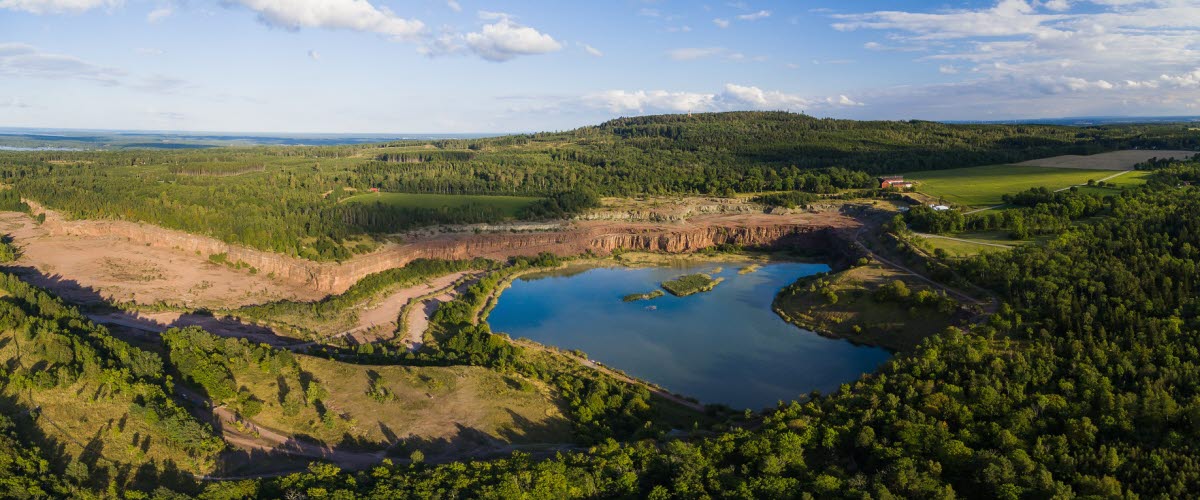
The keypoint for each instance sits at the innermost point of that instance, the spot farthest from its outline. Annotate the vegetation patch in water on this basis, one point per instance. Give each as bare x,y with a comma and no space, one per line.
749,269
691,283
633,297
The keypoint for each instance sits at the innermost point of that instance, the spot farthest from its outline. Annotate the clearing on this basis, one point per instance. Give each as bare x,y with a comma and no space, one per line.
1116,160
509,205
984,186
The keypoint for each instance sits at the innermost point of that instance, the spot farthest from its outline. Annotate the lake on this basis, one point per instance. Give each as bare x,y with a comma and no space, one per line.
724,346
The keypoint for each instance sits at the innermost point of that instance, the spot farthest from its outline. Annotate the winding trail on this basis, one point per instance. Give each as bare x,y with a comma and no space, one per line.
973,242
987,305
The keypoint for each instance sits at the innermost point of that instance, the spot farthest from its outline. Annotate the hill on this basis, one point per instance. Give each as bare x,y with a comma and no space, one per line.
286,199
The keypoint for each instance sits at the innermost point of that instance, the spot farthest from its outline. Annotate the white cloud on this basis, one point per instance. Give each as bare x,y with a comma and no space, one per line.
754,16
159,14
13,102
19,60
592,50
721,23
505,39
148,51
56,6
697,53
693,53
1044,57
27,61
620,101
454,6
314,55
353,15
1057,5
731,97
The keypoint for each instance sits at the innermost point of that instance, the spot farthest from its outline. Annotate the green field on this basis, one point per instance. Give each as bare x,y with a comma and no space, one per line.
956,248
510,205
984,186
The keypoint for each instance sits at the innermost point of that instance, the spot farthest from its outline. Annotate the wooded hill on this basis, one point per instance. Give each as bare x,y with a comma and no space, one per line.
285,199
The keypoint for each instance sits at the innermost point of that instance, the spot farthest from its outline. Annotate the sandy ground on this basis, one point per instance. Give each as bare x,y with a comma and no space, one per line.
418,318
1116,160
90,270
386,313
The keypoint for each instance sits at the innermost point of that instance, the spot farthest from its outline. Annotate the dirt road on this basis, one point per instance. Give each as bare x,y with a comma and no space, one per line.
986,244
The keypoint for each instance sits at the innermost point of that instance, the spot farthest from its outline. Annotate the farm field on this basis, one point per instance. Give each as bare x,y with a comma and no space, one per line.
509,205
984,186
1115,160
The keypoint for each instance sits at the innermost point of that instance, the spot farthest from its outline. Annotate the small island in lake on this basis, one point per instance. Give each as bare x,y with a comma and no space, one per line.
691,283
749,269
633,297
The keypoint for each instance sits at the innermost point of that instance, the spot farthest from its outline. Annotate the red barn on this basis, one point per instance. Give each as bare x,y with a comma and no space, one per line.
896,181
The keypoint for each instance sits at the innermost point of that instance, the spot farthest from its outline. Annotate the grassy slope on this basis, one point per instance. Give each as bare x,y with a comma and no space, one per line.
511,205
980,186
91,422
887,324
430,402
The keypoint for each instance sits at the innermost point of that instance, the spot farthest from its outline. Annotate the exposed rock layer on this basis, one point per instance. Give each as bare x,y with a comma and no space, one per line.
813,231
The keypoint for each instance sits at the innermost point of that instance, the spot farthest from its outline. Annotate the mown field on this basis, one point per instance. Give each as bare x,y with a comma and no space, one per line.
509,205
984,186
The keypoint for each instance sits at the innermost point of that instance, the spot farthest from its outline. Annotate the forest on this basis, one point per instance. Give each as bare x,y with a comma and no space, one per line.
287,199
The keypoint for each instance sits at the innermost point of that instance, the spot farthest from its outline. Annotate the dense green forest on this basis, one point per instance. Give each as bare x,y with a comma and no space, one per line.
286,199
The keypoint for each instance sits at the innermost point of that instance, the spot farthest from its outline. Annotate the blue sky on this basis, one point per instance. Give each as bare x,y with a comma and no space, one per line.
388,66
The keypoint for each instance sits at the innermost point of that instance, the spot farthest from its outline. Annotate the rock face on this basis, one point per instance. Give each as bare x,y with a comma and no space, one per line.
811,231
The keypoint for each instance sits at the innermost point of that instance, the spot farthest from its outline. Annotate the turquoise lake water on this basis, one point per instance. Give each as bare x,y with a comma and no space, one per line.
724,346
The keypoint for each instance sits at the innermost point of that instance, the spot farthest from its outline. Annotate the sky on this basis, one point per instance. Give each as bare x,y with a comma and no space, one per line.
474,66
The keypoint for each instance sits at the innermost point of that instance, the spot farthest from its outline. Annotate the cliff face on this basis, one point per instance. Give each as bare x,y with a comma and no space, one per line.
809,231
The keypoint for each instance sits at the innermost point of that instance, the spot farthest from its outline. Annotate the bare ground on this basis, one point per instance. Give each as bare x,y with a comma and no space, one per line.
89,270
418,318
1116,160
386,313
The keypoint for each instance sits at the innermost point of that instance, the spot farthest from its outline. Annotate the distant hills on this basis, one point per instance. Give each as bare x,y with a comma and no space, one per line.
51,139
31,139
